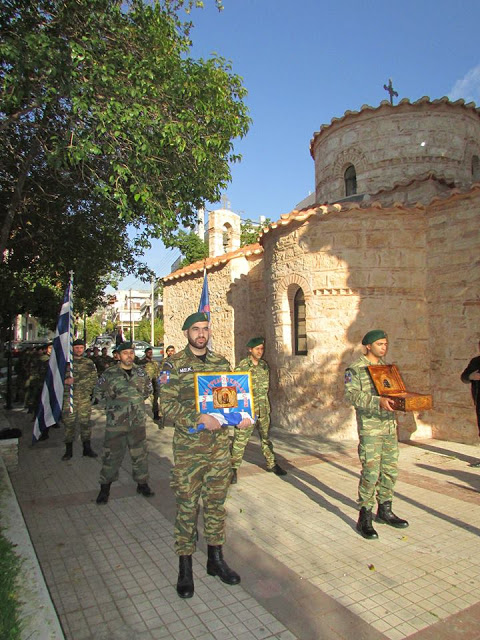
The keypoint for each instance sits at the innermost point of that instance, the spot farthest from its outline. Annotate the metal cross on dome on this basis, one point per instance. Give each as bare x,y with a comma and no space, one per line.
390,90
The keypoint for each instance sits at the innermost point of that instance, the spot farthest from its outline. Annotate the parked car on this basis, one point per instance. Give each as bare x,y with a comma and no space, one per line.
158,353
20,345
104,341
141,345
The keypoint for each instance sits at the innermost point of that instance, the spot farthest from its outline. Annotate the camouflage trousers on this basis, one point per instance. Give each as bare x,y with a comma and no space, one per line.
202,471
79,419
119,436
153,399
379,457
242,436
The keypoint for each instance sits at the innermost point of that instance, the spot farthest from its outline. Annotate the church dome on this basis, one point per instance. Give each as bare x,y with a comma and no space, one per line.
377,148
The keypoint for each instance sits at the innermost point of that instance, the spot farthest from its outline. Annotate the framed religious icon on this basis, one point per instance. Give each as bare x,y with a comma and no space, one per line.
226,395
388,382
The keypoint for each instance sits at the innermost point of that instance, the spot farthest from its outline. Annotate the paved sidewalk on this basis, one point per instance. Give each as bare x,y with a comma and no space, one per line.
306,573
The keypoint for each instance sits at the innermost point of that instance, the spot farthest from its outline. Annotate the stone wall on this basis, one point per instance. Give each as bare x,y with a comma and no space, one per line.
389,145
359,270
453,294
237,303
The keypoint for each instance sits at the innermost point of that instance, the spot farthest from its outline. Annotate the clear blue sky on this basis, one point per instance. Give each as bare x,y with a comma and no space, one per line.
305,62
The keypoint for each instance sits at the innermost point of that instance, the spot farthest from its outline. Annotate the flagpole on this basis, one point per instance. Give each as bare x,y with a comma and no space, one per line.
70,346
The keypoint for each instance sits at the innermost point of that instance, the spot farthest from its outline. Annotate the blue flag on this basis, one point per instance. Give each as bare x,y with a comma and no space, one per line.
204,299
49,409
205,305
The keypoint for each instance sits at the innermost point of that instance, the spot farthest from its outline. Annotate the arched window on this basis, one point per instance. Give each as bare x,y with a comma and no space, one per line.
475,168
227,237
350,177
300,324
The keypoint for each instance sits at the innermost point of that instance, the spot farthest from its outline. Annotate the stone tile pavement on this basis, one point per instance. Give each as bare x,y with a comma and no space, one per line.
306,573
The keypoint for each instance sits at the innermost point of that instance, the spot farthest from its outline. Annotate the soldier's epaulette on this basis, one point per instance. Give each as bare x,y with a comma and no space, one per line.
141,372
168,364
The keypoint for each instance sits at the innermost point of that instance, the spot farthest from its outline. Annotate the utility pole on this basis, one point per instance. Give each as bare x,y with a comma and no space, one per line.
152,314
132,337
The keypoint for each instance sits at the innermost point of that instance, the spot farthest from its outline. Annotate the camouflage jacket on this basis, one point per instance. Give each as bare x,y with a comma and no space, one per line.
260,382
84,378
177,393
361,393
152,369
122,391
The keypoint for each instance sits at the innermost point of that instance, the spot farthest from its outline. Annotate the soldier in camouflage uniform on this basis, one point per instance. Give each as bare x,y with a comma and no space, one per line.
83,380
260,374
125,388
378,443
202,459
38,373
152,369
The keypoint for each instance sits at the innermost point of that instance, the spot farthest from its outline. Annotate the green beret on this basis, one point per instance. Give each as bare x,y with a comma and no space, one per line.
373,336
124,345
200,316
254,342
75,343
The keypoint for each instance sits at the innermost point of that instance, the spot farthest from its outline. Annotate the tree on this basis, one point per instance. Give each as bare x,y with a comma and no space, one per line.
249,231
144,330
192,247
105,117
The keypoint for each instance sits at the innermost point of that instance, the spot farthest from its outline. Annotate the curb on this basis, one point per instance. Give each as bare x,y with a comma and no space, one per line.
39,620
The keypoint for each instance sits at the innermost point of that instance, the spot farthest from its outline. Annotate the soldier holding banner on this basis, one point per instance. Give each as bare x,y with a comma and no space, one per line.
202,459
378,442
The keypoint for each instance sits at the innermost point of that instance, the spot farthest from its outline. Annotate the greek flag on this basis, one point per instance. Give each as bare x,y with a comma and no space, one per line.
205,303
49,410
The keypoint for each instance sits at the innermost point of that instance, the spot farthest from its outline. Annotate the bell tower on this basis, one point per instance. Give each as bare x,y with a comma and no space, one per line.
223,231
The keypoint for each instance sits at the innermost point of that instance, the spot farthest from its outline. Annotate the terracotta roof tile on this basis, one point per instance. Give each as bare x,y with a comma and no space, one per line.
340,207
208,263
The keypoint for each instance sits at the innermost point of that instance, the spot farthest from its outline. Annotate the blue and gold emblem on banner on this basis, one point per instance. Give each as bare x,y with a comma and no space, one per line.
227,395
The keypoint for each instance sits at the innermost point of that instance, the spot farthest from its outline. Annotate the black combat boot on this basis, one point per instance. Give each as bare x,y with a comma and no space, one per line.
145,490
88,451
234,479
216,566
68,451
364,524
185,587
385,515
102,497
277,470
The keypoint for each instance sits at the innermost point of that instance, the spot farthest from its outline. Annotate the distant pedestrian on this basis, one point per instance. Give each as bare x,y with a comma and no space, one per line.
152,369
471,376
169,351
82,377
378,442
125,388
260,375
119,337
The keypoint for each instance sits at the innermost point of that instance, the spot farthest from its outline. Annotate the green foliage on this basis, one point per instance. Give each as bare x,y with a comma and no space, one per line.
9,612
249,232
191,246
144,330
108,130
94,328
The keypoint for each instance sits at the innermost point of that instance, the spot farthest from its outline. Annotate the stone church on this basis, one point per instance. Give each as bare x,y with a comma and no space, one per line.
390,241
